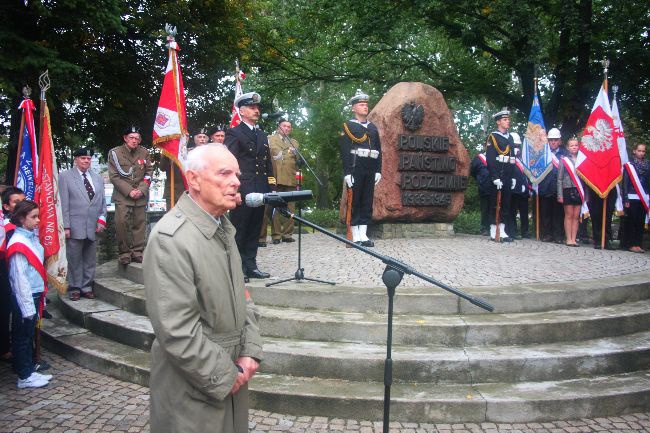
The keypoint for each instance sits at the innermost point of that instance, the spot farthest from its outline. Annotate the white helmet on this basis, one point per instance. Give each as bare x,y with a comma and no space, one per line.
516,138
554,133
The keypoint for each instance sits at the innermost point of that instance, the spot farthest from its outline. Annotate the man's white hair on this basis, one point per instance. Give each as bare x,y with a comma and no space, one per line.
197,157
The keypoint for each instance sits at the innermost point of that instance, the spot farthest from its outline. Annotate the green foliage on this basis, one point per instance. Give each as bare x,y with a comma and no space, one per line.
327,218
468,222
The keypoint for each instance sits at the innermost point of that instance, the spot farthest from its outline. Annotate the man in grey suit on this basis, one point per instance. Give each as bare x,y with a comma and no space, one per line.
84,215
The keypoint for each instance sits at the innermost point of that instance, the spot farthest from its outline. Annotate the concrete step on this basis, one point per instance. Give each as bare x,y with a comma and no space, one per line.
435,364
428,299
109,321
452,403
458,330
93,351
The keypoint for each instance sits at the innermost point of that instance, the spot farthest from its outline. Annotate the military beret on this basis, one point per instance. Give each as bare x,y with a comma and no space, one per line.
250,98
200,131
83,151
216,129
359,97
501,114
132,129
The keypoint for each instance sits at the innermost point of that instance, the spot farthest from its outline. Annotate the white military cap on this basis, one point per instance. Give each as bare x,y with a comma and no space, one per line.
250,98
501,114
359,97
554,133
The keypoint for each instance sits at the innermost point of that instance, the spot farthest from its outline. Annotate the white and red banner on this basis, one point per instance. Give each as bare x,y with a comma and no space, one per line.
236,119
170,126
622,150
599,160
50,229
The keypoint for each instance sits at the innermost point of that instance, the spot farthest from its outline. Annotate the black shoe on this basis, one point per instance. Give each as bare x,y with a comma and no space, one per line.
46,314
276,241
261,244
368,243
508,239
256,273
596,246
485,232
288,240
41,366
247,280
525,236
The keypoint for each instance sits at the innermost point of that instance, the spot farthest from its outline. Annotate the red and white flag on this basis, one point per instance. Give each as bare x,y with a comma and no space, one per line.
236,119
50,228
599,161
622,150
170,126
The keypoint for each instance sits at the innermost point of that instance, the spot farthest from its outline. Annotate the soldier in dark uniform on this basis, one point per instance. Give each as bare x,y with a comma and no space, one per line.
519,195
500,158
217,134
251,148
129,170
478,170
361,156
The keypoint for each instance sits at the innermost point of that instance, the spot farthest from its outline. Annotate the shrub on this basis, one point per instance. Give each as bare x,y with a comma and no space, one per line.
468,222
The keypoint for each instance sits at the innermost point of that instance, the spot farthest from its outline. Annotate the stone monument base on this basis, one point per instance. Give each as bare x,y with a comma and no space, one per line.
410,230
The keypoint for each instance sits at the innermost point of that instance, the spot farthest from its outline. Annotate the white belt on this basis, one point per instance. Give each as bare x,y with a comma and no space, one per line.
506,159
633,197
365,153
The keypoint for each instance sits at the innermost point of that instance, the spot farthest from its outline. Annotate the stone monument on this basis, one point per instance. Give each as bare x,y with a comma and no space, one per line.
424,164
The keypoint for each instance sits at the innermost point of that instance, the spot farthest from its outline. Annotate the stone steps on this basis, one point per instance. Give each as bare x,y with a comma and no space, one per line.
423,401
549,351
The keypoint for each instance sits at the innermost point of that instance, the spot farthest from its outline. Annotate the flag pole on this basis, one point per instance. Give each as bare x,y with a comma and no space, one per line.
27,91
171,33
605,64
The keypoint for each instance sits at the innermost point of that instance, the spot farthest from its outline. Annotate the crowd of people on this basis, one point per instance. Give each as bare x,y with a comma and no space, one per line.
562,202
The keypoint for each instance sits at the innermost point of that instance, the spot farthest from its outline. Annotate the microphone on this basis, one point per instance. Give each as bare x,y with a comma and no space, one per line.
256,199
272,116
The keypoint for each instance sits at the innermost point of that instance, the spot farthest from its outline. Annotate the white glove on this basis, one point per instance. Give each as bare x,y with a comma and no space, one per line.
514,183
498,183
377,178
349,180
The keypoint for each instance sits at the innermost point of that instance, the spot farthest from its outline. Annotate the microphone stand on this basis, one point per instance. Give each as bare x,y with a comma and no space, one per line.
299,275
391,277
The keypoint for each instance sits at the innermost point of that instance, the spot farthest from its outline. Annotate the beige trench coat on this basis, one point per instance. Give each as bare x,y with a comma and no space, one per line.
202,321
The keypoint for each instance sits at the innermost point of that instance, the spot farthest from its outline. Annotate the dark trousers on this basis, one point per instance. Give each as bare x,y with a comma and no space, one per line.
485,212
363,191
518,205
551,218
504,213
22,340
634,222
248,222
6,300
596,212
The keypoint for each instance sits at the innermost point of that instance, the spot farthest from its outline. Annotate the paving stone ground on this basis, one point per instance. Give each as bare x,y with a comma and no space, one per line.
81,401
462,261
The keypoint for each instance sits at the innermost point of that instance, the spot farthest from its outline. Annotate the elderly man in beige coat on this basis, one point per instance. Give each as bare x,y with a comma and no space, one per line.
207,342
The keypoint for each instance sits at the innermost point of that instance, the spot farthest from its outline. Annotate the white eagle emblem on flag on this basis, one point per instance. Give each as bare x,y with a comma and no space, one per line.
162,120
598,138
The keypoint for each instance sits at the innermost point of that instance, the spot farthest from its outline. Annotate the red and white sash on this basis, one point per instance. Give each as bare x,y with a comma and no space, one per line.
483,159
555,161
18,244
636,183
571,171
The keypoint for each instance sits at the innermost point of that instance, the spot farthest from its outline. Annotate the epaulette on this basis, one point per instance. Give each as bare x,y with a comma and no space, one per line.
173,221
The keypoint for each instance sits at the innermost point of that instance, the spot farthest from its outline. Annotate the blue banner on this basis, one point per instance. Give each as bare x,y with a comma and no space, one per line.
26,179
535,153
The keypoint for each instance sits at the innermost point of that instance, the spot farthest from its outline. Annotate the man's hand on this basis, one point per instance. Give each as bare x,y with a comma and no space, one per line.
349,180
135,194
498,183
627,204
560,200
514,183
67,233
239,382
377,178
249,365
